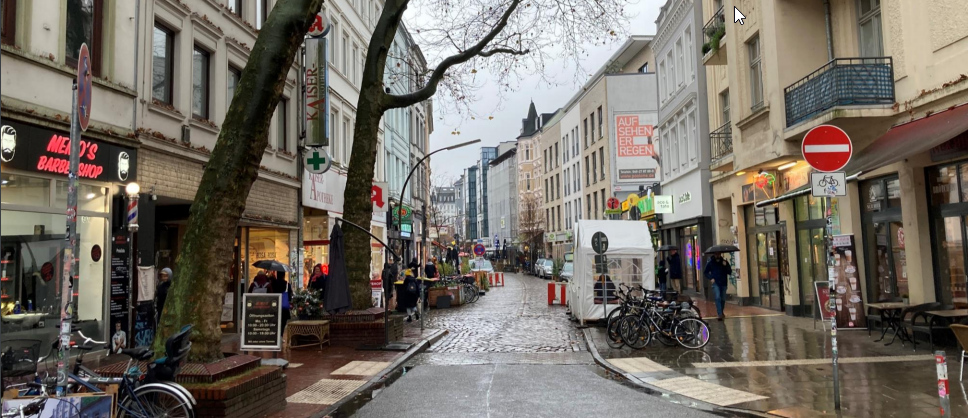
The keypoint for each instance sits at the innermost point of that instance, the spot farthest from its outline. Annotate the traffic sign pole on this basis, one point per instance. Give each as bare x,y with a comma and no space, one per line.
827,148
69,271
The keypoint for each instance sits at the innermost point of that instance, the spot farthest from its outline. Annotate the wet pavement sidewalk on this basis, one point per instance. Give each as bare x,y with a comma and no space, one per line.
781,365
318,379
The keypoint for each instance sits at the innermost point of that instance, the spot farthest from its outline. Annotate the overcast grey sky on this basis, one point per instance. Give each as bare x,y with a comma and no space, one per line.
506,124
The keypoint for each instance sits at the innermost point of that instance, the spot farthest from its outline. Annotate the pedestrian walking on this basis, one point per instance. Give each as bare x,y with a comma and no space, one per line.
261,283
414,266
674,265
718,270
408,297
662,275
281,286
161,292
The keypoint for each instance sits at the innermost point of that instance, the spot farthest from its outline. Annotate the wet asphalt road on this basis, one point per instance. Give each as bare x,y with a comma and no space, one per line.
512,355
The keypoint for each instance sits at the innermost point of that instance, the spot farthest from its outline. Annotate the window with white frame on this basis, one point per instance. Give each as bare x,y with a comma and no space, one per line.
282,112
334,131
346,54
671,86
693,136
690,56
594,137
683,136
724,107
756,73
674,148
680,63
347,140
333,50
356,64
662,82
201,60
601,123
871,38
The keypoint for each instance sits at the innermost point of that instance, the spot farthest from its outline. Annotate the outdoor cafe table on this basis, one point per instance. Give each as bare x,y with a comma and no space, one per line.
946,317
892,317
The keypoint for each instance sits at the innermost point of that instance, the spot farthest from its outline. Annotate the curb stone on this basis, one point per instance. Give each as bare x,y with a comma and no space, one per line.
382,376
670,396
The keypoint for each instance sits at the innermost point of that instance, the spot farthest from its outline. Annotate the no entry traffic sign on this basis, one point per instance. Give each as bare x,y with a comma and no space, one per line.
84,87
827,148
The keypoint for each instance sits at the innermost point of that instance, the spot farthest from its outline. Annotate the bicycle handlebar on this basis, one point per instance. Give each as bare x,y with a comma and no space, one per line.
90,340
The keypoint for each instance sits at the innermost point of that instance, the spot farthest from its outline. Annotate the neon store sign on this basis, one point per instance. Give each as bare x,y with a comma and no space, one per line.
61,145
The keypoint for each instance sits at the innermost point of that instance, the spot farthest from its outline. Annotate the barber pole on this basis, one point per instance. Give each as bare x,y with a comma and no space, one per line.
133,214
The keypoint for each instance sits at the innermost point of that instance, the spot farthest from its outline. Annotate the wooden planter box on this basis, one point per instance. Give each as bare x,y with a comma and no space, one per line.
453,291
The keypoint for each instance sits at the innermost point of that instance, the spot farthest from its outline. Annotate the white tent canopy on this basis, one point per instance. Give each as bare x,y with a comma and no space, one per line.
631,260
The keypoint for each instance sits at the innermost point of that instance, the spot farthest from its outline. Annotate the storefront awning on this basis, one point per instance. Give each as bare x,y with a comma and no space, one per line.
911,138
800,191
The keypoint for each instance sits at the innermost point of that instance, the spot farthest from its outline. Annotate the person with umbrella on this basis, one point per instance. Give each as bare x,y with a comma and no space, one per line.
261,284
718,270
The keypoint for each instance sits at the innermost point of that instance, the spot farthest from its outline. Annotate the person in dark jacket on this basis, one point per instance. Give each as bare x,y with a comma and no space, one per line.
280,285
604,287
662,275
409,295
317,281
161,291
414,266
674,264
718,270
431,269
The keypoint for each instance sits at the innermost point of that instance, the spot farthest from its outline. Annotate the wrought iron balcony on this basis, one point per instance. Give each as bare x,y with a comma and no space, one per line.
714,31
721,142
841,82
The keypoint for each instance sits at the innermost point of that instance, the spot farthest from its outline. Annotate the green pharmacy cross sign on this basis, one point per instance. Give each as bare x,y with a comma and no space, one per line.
403,215
317,160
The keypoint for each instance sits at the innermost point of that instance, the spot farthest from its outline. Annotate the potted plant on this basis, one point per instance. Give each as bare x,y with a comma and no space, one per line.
904,298
556,268
306,304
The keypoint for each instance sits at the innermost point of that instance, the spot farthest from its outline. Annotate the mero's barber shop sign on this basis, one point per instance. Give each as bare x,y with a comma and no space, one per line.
34,148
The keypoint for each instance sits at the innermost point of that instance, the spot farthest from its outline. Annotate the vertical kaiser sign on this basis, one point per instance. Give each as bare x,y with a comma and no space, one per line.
317,92
635,158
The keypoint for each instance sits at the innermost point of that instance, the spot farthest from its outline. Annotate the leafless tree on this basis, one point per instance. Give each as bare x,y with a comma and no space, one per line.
531,224
462,39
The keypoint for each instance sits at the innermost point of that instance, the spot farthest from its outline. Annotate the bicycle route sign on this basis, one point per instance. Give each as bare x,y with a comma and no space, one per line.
827,148
828,184
599,243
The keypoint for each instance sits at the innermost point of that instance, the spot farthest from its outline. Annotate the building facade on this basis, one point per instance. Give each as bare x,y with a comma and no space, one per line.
471,206
549,141
683,125
503,198
904,103
483,222
40,52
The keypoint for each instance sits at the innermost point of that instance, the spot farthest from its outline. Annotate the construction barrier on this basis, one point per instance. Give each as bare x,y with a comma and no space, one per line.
557,293
496,279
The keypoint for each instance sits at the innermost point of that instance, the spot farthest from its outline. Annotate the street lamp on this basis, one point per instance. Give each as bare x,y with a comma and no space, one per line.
390,219
131,190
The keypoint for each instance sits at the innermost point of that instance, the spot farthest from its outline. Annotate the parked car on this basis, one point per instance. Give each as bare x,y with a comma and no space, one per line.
547,268
567,271
536,268
482,265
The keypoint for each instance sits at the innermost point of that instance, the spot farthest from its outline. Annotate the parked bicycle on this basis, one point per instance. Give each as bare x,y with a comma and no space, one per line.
146,394
469,291
643,314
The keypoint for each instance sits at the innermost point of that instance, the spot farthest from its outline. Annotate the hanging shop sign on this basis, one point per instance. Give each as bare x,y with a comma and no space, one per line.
317,91
763,187
663,204
34,148
402,215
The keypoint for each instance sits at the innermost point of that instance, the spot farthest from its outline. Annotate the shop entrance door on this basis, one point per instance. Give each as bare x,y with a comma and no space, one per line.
691,260
766,287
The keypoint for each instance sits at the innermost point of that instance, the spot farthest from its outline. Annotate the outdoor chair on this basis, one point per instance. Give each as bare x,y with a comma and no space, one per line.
872,318
961,333
924,327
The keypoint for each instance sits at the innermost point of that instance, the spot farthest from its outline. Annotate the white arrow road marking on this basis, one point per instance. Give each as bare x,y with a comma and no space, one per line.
826,148
738,16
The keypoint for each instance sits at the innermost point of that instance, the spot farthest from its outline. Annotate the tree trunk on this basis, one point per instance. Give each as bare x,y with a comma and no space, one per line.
205,259
358,207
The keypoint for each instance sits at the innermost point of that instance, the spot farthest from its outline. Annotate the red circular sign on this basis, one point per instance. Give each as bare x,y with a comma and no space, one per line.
827,148
96,253
613,203
84,78
479,250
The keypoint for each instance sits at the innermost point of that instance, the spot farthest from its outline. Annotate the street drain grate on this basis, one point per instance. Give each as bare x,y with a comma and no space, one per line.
362,368
326,392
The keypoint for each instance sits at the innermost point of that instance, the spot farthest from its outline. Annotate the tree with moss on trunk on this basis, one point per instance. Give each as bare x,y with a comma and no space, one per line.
205,259
505,39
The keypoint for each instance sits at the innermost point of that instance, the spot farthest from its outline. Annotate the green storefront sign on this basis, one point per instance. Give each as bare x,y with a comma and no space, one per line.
403,215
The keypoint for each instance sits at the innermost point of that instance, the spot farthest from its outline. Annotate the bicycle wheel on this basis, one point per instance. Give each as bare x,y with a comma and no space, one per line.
472,293
634,333
155,401
612,335
692,333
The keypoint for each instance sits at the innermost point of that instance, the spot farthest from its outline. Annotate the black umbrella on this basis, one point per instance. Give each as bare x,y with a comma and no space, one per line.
716,249
271,265
337,297
668,248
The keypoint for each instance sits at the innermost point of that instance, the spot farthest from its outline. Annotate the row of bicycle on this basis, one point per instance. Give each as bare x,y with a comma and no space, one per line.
644,315
147,393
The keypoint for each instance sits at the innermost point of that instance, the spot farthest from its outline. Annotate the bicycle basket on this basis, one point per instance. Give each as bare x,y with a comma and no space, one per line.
20,357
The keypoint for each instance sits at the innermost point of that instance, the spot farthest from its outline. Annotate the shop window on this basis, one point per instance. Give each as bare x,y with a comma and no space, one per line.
764,216
894,192
265,244
89,198
9,16
27,191
84,25
236,7
944,185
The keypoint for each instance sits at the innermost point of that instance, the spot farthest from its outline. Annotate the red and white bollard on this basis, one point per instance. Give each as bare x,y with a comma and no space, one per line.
941,361
496,279
557,291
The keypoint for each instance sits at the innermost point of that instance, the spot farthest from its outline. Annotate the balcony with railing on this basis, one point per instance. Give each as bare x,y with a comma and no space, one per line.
720,145
840,82
713,47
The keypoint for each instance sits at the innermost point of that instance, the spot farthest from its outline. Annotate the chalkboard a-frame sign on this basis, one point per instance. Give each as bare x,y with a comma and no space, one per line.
262,322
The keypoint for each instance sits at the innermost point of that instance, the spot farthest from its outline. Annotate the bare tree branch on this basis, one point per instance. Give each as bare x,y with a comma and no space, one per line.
504,51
